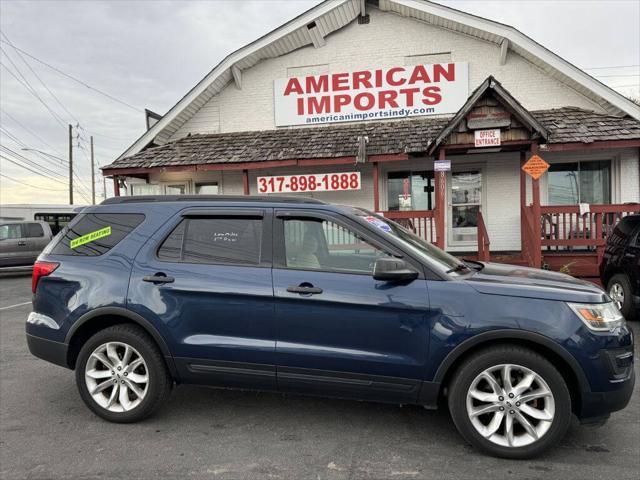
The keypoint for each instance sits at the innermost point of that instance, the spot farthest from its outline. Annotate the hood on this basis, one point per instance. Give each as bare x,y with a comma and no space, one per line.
511,280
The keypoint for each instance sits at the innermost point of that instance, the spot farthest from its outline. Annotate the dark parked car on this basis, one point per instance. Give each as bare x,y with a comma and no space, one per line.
296,295
21,242
620,267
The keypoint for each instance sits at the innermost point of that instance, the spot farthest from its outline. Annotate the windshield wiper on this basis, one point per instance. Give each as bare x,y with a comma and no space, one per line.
458,268
476,265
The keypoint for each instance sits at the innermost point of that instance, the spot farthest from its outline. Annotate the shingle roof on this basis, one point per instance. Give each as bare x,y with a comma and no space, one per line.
565,125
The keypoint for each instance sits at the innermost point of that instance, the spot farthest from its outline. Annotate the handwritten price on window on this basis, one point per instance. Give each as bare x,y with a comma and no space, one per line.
322,182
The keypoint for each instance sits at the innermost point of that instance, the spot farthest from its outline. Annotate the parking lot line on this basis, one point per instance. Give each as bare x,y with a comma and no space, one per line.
16,305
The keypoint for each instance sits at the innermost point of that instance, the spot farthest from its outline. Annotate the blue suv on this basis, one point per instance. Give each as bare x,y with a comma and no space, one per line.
296,295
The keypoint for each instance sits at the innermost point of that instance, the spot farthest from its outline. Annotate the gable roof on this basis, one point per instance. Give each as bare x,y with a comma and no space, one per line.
564,125
491,85
332,15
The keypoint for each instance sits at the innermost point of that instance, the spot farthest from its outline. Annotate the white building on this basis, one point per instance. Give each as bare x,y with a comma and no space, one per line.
379,90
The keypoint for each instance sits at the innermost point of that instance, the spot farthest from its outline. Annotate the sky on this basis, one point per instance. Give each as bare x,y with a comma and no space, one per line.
132,55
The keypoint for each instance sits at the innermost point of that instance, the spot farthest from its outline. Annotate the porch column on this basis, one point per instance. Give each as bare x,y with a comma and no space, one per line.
536,245
116,186
441,189
245,181
376,187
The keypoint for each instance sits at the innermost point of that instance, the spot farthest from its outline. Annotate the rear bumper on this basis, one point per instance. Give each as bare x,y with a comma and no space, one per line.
54,352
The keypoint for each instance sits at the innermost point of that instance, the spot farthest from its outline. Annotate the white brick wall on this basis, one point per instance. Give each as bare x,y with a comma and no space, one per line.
386,41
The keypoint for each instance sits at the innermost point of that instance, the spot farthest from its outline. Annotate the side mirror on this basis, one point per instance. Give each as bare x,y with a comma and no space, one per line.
393,270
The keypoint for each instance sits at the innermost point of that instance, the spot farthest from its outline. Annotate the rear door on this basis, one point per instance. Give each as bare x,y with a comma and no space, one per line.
339,331
13,245
205,283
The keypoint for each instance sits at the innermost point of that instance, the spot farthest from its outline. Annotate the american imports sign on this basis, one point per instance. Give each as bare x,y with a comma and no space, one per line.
378,94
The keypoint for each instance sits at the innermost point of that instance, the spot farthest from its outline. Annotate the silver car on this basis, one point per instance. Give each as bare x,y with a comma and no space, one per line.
21,242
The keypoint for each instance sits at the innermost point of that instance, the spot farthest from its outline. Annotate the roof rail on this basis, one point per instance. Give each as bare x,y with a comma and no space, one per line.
209,198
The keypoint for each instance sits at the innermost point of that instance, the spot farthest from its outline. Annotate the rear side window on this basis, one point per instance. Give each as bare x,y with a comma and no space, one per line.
225,240
623,230
94,234
33,230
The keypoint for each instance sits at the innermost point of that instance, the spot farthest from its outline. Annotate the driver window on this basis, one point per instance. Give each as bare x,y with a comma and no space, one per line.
10,231
314,244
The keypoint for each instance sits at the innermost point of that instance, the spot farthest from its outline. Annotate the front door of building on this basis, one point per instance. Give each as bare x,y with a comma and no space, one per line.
465,202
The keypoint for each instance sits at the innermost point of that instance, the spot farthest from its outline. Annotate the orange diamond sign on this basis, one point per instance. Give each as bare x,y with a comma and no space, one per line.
535,167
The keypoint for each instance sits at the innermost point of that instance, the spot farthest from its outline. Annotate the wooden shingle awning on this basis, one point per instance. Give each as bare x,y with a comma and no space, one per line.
563,128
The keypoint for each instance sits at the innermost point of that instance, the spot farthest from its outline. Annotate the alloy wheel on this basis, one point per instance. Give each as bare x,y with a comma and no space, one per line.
616,292
117,376
510,405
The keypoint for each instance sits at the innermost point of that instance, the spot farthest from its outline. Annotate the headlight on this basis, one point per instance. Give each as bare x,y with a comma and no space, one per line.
600,317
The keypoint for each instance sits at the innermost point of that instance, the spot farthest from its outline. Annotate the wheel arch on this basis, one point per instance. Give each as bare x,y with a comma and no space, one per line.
561,359
101,318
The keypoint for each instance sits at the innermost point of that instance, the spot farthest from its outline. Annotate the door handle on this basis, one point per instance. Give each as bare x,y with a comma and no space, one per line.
158,278
304,290
21,243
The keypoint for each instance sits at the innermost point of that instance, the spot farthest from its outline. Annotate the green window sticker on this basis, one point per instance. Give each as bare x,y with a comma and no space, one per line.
90,237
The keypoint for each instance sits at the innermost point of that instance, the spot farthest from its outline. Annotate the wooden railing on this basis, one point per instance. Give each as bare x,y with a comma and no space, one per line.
420,222
563,228
483,240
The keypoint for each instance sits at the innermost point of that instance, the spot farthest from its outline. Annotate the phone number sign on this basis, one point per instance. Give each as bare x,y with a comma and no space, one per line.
320,182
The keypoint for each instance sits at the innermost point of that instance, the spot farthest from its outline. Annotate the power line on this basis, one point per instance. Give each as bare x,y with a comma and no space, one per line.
76,79
31,170
25,83
39,187
627,75
28,130
38,77
615,66
29,161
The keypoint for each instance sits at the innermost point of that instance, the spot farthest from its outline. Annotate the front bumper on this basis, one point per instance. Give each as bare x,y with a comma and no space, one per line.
619,367
54,352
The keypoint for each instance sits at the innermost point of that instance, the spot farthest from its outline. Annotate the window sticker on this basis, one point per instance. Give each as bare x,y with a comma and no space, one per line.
90,237
376,222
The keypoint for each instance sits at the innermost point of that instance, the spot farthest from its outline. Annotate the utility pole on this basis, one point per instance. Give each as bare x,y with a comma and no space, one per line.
70,165
93,175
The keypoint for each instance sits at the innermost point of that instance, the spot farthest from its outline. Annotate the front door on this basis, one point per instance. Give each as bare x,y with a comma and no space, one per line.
464,205
205,284
339,331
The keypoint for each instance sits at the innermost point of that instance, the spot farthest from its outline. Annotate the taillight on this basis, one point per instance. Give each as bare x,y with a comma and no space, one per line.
41,269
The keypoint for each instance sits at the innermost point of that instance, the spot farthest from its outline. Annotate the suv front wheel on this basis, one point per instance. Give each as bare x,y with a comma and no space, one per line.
619,289
510,402
121,374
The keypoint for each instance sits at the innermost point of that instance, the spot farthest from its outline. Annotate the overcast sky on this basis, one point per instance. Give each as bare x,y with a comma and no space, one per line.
148,54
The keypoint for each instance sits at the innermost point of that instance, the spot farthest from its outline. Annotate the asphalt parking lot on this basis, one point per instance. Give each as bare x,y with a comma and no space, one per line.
46,432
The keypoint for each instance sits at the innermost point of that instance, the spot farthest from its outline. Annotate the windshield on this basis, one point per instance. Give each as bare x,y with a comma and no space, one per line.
413,242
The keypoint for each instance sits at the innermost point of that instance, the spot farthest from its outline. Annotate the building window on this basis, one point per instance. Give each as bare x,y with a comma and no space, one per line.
579,182
207,188
145,189
175,189
410,191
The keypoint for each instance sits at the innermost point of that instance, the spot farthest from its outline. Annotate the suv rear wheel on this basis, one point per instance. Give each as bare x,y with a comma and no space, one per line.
510,402
121,374
619,289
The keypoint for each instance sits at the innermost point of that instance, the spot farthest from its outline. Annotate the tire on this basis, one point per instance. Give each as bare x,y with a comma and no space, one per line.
620,283
524,363
141,384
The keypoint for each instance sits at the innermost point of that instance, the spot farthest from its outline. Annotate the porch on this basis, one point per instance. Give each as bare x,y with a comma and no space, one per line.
564,240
